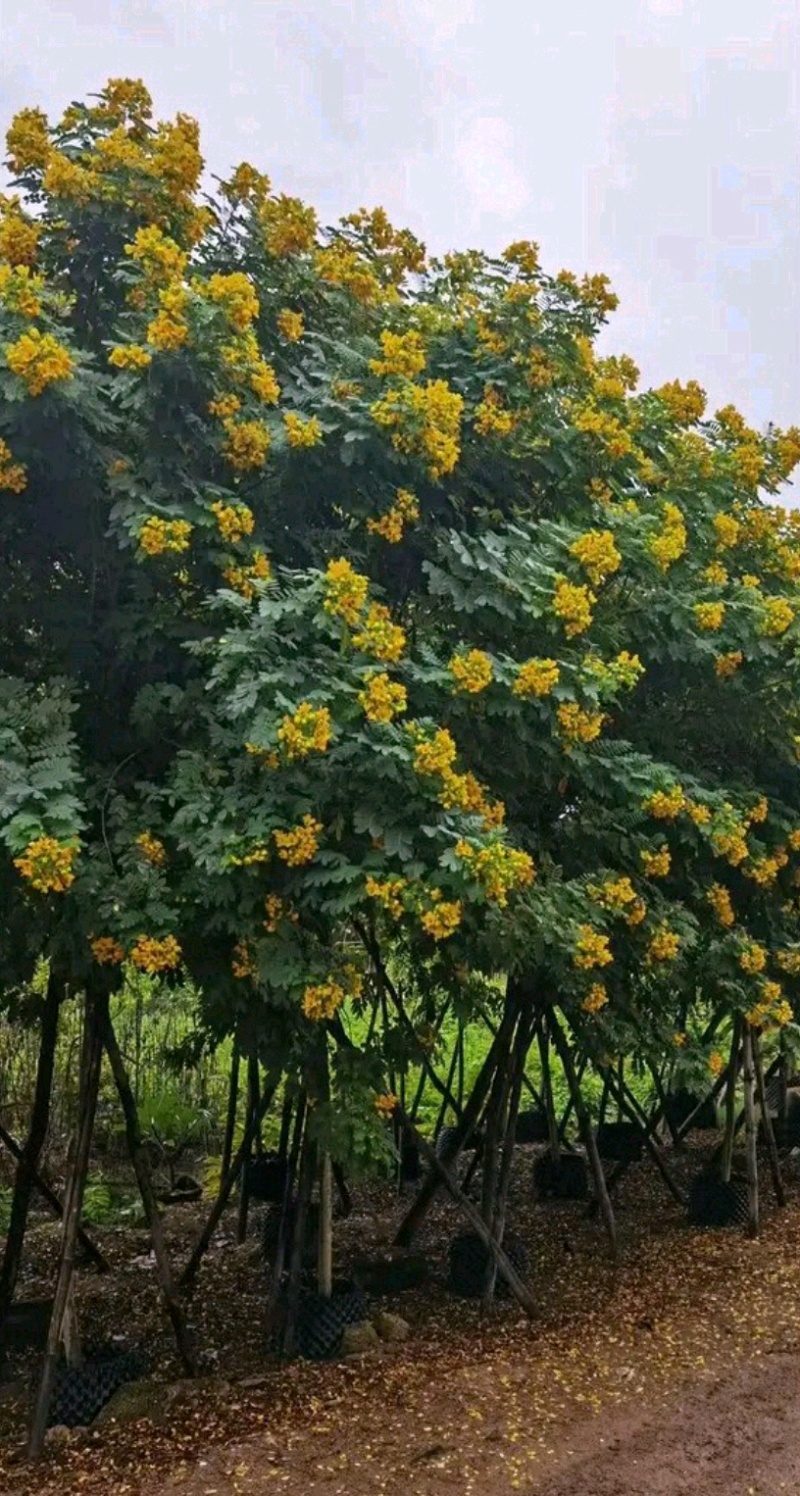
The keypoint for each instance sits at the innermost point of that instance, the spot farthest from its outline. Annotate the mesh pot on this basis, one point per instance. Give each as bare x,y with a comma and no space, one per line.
679,1107
469,1261
713,1202
620,1142
395,1273
566,1180
532,1126
321,1321
266,1179
79,1392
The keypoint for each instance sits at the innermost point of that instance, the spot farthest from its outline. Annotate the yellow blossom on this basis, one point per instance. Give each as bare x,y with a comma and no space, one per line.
39,360
656,864
709,616
443,920
246,445
47,864
637,914
597,554
536,678
472,671
19,239
382,699
385,1105
669,543
224,406
300,433
715,574
299,845
322,1000
577,725
289,226
159,535
130,356
788,961
236,294
778,616
435,755
685,403
573,604
615,894
727,531
345,592
234,521
245,579
152,850
388,893
424,420
716,1063
591,949
752,958
263,382
665,805
243,963
499,869
290,325
28,140
307,730
663,945
720,901
380,637
13,477
154,956
492,418
402,354
595,999
107,951
726,665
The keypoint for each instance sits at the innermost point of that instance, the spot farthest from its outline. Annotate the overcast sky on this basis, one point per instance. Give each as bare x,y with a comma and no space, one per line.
656,140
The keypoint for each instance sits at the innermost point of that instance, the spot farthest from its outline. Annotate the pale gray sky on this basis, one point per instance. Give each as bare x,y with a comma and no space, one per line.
656,140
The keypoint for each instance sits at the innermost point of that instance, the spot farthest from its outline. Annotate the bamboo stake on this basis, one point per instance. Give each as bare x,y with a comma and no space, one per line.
769,1131
751,1153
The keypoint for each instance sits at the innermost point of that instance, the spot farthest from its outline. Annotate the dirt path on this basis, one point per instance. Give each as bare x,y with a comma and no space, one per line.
738,1435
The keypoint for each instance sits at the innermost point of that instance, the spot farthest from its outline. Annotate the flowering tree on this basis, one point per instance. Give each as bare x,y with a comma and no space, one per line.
361,618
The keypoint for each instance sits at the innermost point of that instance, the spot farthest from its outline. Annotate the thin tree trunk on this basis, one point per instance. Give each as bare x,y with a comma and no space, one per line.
230,1118
141,1167
587,1135
215,1215
286,1212
296,1260
252,1132
439,1123
29,1158
91,1056
325,1259
628,1105
568,1110
51,1198
547,1087
430,1186
512,1112
506,1268
748,1077
730,1103
769,1131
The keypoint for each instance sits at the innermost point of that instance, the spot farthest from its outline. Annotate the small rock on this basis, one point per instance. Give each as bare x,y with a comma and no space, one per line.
391,1327
58,1434
359,1338
157,1400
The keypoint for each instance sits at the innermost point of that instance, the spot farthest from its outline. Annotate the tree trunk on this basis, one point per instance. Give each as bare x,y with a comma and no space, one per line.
91,1056
286,1213
29,1158
430,1186
769,1131
499,1220
50,1197
547,1086
230,1119
296,1261
748,1077
587,1135
730,1103
215,1215
141,1167
325,1258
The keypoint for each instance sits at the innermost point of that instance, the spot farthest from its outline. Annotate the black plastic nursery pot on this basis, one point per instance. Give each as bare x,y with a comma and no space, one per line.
469,1259
395,1272
714,1202
619,1142
446,1137
322,1321
79,1392
266,1179
566,1180
681,1104
532,1126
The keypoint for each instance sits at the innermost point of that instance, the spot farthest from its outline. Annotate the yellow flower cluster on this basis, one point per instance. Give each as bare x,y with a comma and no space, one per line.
161,259
263,382
591,949
307,730
243,962
663,945
27,140
623,671
107,951
151,849
492,418
685,403
727,531
772,1009
322,1000
391,525
435,755
669,543
577,725
299,845
777,618
290,228
158,536
424,420
39,360
47,864
595,999
752,958
236,294
464,792
716,1063
788,961
720,901
382,699
234,521
715,574
389,894
130,356
246,444
20,290
276,910
245,579
300,432
710,616
759,812
380,637
748,464
472,672
339,266
731,844
403,355
13,477
794,840
169,331
616,894
443,919
224,405
665,805
19,237
608,430
345,592
573,605
499,869
727,665
656,864
153,955
536,678
385,1105
764,870
597,554
291,325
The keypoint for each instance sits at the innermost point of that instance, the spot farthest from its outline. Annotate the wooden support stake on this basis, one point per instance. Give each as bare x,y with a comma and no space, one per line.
587,1134
751,1153
766,1121
50,1198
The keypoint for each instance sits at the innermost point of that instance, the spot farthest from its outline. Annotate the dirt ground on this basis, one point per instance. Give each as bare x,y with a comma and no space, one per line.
675,1371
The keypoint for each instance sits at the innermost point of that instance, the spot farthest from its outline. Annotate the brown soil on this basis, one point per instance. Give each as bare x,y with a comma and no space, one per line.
676,1372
